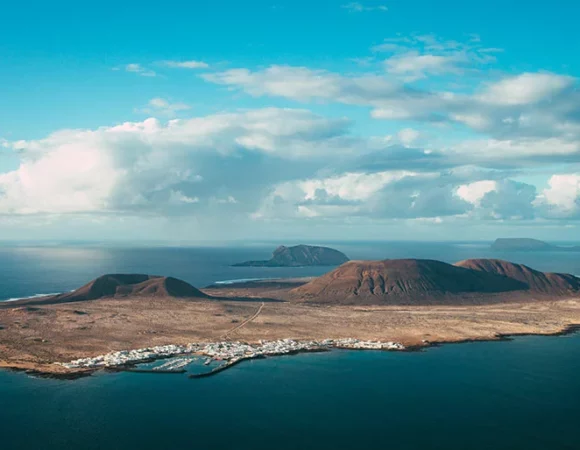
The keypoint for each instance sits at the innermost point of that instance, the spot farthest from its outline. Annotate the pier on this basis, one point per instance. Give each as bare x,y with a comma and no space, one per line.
219,369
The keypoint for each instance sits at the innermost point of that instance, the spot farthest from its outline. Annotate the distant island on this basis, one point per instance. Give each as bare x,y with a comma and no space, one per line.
529,245
300,256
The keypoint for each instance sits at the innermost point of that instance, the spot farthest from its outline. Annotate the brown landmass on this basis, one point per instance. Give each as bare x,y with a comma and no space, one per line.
36,333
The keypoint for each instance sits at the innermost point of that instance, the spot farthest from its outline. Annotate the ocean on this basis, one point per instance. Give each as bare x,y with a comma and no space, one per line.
519,394
34,270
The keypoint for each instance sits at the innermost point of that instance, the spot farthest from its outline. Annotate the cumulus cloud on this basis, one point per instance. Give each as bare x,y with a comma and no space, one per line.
283,164
144,166
388,194
474,192
503,199
562,198
275,163
463,193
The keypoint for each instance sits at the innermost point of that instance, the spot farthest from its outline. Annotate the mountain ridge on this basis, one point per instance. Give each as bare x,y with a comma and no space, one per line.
418,280
546,282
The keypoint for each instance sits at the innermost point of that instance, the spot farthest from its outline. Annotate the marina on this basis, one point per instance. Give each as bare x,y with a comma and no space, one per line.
228,354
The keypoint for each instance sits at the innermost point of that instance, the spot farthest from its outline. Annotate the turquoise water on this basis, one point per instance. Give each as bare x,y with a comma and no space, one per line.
522,394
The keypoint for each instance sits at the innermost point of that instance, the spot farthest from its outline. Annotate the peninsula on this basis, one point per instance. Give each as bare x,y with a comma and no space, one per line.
387,305
299,256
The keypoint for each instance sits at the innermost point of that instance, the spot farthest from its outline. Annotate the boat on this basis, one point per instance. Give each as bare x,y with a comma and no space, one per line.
207,362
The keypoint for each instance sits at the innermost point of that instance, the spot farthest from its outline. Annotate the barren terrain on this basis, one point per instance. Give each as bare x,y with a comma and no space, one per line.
34,337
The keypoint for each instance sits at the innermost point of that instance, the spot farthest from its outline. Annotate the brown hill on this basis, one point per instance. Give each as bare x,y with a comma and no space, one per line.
121,285
402,280
548,283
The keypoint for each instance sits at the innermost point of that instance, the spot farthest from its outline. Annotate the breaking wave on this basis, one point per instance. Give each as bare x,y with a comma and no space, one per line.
30,296
241,280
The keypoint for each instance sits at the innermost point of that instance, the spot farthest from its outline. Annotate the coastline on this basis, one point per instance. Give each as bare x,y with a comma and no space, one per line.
500,337
54,370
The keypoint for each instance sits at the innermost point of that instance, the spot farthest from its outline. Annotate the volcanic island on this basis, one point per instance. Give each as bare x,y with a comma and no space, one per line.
118,320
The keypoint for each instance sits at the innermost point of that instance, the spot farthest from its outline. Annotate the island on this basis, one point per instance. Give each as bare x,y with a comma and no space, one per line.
299,256
118,321
529,245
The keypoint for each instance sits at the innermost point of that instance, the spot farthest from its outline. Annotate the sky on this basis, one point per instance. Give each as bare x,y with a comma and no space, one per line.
285,120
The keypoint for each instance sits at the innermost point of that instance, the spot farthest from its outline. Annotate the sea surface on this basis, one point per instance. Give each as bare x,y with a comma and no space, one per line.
28,270
519,394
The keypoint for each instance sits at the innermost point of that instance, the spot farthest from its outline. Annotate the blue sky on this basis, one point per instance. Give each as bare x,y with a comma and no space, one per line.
328,119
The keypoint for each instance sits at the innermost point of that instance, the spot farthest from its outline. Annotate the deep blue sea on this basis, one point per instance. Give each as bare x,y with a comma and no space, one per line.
521,394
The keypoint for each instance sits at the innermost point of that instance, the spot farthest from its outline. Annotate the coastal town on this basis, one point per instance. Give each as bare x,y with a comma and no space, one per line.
227,352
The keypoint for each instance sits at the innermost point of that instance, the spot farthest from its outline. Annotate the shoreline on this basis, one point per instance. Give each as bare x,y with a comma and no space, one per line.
43,370
500,337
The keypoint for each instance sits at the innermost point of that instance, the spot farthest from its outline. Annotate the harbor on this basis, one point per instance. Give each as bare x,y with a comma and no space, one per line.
226,354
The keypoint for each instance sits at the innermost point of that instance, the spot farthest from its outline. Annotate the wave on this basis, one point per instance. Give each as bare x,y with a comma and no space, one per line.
30,296
241,280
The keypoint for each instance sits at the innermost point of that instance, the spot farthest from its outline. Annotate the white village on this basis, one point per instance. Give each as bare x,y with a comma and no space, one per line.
229,353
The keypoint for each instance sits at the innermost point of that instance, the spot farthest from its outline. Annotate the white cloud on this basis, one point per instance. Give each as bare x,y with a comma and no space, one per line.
161,106
517,151
391,99
562,198
416,66
526,88
304,84
408,136
500,200
405,195
351,186
474,192
299,83
387,194
141,166
192,64
140,70
356,7
536,106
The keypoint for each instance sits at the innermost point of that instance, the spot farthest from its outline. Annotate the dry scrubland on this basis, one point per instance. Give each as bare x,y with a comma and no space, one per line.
33,337
414,302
